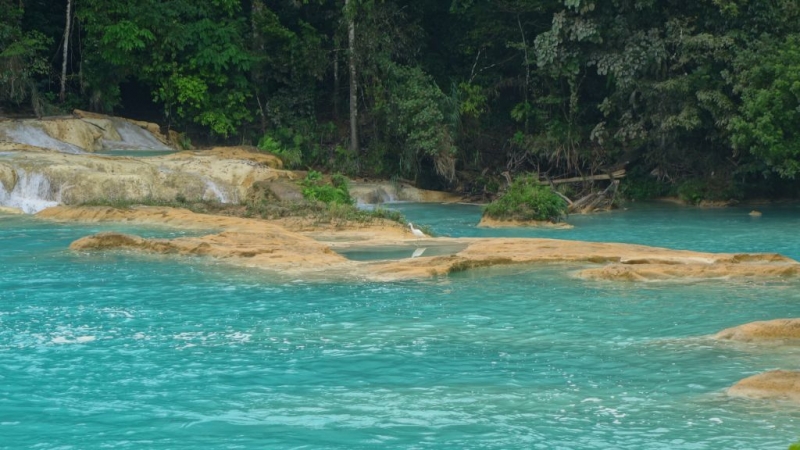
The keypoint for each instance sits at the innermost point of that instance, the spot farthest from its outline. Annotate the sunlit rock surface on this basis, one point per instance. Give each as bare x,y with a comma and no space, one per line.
775,384
309,249
778,330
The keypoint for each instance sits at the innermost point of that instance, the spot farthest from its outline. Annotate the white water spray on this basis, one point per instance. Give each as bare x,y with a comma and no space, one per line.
31,194
215,192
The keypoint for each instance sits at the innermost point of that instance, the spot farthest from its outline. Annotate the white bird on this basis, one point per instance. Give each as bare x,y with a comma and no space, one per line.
418,252
415,231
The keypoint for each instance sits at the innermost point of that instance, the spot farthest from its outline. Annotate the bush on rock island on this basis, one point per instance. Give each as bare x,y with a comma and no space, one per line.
527,200
316,189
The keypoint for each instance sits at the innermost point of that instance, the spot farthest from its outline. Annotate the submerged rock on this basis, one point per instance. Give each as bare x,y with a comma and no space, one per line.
775,384
762,331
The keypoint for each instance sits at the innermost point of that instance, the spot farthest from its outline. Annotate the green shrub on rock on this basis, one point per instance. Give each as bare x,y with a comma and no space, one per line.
316,189
526,199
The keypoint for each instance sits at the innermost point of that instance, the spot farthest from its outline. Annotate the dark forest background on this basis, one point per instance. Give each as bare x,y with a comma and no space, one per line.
697,98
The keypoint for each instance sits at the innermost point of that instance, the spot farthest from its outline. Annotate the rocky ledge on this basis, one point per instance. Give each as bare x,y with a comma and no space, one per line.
313,252
775,384
222,174
488,222
778,330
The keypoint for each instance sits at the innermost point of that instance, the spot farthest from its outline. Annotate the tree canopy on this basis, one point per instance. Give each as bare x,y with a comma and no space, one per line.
449,93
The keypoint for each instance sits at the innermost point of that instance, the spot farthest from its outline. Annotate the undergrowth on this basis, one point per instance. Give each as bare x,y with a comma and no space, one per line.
526,199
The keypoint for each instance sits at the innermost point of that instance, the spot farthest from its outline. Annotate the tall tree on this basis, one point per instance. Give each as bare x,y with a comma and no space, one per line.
67,30
350,15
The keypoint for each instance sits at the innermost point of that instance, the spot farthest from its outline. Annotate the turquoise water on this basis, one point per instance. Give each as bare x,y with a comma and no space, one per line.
657,224
119,350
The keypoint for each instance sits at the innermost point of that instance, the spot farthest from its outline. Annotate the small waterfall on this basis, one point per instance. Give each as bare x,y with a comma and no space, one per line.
134,137
388,197
26,134
377,196
215,192
31,194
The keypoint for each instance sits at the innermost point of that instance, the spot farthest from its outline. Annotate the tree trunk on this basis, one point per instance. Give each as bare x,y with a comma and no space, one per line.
336,83
527,73
351,39
62,94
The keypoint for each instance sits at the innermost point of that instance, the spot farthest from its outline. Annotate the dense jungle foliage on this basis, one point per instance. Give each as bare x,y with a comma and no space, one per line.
696,97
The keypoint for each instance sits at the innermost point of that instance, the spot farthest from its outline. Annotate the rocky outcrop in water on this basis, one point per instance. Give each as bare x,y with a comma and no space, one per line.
778,330
300,254
775,385
490,222
776,266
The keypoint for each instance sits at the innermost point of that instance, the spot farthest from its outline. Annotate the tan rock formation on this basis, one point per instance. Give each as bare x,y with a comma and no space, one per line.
718,269
778,330
283,190
242,233
775,384
106,128
8,178
6,146
489,222
10,210
84,135
79,178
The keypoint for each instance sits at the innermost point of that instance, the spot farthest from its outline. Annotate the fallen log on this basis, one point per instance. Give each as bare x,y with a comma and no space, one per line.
605,176
596,200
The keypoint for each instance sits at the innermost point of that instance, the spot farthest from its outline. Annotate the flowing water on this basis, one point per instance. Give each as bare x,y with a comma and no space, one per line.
31,135
119,350
32,193
134,138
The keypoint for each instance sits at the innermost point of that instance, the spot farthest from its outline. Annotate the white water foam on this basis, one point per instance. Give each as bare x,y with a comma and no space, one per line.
31,194
133,138
215,192
26,134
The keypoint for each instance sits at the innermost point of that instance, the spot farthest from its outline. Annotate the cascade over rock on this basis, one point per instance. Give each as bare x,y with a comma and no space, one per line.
367,192
85,132
34,180
45,162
